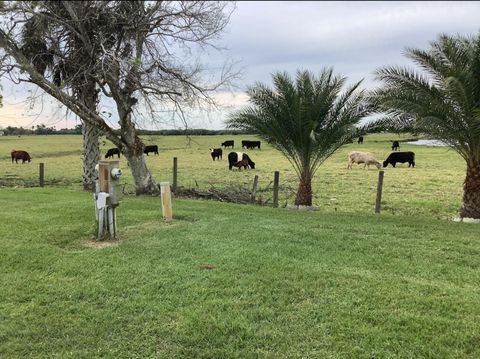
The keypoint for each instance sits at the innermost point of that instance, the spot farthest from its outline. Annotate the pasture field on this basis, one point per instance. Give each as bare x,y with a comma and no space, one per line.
232,281
433,188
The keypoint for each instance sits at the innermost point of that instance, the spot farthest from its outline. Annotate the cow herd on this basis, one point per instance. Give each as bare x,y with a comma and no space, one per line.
247,144
240,159
369,159
236,159
146,150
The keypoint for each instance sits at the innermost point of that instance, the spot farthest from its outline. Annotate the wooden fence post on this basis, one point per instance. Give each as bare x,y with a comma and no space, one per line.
41,174
175,167
378,202
166,201
276,181
254,189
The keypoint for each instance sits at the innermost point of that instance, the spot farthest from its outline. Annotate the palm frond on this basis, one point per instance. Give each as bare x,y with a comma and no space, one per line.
444,100
307,118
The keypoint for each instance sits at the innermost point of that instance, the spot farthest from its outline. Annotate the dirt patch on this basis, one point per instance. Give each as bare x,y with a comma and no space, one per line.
207,266
99,244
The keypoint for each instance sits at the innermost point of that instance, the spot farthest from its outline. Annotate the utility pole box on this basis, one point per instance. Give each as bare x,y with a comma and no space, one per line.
109,181
107,197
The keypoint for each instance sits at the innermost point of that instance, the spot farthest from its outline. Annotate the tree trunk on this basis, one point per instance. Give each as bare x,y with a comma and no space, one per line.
91,155
133,151
471,190
144,183
86,92
304,193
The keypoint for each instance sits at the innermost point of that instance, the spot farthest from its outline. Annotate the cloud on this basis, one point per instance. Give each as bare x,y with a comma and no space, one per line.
354,38
346,35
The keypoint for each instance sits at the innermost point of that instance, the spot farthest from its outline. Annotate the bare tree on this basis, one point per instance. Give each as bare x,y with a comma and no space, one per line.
41,42
129,50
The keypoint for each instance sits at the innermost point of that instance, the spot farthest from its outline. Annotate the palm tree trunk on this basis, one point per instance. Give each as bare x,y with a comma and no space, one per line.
471,190
86,92
91,155
304,193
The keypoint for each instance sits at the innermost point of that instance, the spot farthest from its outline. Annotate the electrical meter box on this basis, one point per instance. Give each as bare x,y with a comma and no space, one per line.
109,175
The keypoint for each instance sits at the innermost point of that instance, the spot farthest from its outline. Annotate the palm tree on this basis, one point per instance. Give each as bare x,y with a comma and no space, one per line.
306,119
441,99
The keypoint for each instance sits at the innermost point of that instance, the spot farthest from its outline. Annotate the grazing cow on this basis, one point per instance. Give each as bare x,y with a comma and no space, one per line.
362,157
113,151
216,153
239,159
250,144
150,148
401,157
360,140
395,146
227,144
20,155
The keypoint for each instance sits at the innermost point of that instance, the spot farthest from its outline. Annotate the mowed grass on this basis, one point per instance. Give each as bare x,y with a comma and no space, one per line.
232,281
432,189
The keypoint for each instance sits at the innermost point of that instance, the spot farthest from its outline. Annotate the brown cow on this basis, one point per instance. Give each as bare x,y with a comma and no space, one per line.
20,155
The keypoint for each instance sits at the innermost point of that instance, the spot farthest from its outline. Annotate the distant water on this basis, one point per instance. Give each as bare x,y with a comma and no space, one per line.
436,143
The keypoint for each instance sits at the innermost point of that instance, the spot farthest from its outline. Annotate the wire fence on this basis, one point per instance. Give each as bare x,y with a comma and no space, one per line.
333,190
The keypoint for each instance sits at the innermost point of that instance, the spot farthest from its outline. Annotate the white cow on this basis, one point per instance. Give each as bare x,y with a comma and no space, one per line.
362,157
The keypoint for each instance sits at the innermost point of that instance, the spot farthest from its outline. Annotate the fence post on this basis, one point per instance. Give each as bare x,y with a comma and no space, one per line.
41,174
276,181
378,202
166,201
254,189
175,173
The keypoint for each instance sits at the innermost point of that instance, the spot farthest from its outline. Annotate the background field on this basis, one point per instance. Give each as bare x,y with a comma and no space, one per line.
433,188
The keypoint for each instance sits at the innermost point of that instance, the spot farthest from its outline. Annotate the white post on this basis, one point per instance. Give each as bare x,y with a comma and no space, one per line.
101,223
95,204
115,220
101,205
111,223
166,201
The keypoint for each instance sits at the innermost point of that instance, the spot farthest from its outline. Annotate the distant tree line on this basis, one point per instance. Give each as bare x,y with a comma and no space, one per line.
40,130
193,132
77,130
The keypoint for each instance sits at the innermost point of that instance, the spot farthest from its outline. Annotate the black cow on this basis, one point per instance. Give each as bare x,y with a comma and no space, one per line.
401,157
150,148
395,146
216,153
113,151
239,159
360,140
250,144
227,144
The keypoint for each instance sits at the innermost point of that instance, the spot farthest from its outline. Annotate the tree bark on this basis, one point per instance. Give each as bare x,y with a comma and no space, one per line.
304,193
91,155
86,92
133,151
144,183
471,190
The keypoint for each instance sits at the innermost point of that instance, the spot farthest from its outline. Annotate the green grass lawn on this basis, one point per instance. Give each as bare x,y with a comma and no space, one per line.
432,189
233,281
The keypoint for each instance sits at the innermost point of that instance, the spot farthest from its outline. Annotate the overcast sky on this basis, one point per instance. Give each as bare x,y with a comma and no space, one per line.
354,38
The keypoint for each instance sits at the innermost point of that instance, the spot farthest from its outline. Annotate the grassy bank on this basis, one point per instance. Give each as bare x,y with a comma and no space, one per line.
232,281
